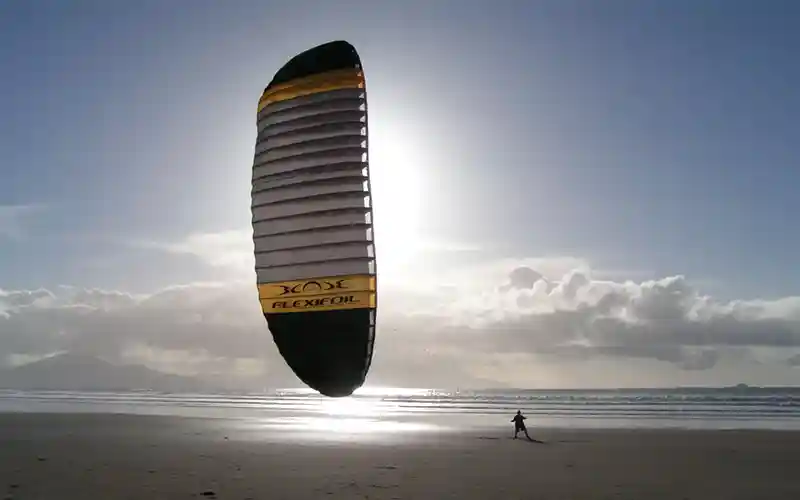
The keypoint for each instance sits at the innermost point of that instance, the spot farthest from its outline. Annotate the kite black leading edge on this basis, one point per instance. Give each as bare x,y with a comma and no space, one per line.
312,218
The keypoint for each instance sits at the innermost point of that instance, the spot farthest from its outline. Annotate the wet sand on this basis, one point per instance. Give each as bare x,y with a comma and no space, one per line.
51,456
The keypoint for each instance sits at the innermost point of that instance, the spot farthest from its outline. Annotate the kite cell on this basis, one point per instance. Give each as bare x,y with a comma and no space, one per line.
312,218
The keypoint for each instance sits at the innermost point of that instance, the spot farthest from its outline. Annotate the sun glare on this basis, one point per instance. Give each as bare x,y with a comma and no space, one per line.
396,187
364,413
349,407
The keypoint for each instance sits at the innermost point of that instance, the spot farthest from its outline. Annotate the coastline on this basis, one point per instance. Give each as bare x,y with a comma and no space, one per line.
659,409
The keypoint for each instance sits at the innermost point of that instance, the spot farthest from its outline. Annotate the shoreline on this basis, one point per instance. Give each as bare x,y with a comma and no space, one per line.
434,421
678,410
316,421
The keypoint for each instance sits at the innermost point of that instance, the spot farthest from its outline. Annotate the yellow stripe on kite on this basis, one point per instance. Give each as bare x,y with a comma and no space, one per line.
317,286
321,82
329,302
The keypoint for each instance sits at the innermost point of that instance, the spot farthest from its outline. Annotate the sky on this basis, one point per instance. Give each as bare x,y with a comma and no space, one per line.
567,193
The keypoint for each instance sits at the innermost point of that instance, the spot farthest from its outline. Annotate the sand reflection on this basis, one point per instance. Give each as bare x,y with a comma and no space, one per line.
347,416
347,425
350,407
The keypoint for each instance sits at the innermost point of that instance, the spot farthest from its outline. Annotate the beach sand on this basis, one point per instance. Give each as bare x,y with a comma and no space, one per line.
51,456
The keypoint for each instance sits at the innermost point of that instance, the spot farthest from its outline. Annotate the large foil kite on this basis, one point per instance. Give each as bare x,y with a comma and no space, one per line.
312,218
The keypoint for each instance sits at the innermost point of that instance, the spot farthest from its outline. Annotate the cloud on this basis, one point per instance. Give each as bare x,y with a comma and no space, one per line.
12,218
229,249
552,324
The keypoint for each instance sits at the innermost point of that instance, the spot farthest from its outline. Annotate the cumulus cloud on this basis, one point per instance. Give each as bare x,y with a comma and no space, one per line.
509,329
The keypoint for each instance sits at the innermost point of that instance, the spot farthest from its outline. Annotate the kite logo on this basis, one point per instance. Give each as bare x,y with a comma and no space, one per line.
313,286
312,303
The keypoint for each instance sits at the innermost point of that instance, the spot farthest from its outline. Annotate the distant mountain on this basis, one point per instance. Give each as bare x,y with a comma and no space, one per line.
74,372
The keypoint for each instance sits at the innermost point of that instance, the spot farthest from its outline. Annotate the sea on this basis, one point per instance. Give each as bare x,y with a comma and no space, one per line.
739,407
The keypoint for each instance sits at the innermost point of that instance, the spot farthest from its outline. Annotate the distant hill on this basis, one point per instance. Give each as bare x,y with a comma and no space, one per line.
74,372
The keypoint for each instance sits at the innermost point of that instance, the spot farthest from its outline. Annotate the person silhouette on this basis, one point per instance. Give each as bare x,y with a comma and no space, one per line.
519,425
